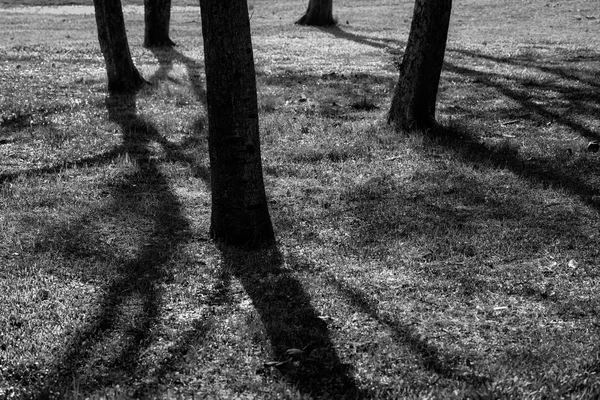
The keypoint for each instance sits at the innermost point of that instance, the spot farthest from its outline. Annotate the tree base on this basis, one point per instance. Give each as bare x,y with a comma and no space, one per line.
318,13
158,43
308,20
127,86
243,239
422,123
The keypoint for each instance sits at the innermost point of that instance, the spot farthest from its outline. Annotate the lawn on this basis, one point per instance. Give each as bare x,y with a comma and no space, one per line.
458,263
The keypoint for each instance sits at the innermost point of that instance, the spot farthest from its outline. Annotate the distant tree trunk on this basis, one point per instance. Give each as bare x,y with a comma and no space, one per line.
413,104
157,17
240,215
123,77
319,13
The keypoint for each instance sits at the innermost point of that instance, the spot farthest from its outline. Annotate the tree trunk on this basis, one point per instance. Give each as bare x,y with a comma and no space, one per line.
240,215
157,17
413,104
123,77
319,13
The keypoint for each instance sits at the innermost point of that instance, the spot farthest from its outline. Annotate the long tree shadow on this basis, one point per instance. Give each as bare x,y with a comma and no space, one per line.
377,42
583,100
586,99
539,64
135,293
544,171
432,359
416,215
572,88
565,102
166,57
291,322
285,309
92,161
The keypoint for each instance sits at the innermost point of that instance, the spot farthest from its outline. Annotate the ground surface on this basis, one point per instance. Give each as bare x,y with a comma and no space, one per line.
462,263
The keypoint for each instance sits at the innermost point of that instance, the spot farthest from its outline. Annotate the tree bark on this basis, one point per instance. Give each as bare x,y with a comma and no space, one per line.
123,76
240,216
318,13
157,18
413,104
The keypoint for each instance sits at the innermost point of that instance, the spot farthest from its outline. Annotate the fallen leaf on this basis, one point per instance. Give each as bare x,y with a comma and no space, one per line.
295,353
285,367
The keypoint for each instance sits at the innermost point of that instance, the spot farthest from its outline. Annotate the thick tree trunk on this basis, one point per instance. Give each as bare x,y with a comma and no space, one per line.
240,215
157,18
319,13
123,77
413,104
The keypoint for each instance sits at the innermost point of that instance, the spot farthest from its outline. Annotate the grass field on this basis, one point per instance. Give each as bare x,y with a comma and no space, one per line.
52,3
462,263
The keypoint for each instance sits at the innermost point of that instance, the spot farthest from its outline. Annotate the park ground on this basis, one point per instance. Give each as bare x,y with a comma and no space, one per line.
457,263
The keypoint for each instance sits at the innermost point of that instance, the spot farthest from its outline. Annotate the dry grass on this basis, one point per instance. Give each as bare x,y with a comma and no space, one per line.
461,263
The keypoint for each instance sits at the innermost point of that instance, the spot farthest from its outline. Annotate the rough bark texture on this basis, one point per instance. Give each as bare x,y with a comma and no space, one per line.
240,215
157,17
319,13
123,77
413,104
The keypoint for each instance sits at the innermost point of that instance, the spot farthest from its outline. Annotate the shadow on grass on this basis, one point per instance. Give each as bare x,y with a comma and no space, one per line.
563,98
290,322
166,57
531,61
138,281
448,212
432,358
95,160
565,95
377,42
444,215
125,105
570,93
97,355
539,170
135,292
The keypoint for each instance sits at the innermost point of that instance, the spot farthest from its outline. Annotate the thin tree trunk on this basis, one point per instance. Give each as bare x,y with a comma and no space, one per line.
123,76
413,104
318,13
157,18
240,215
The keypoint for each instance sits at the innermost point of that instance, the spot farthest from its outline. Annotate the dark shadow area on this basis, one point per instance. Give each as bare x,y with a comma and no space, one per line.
291,322
543,171
96,160
284,307
566,100
539,64
175,152
446,216
574,93
557,100
166,57
21,119
335,96
443,211
139,279
432,359
380,43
